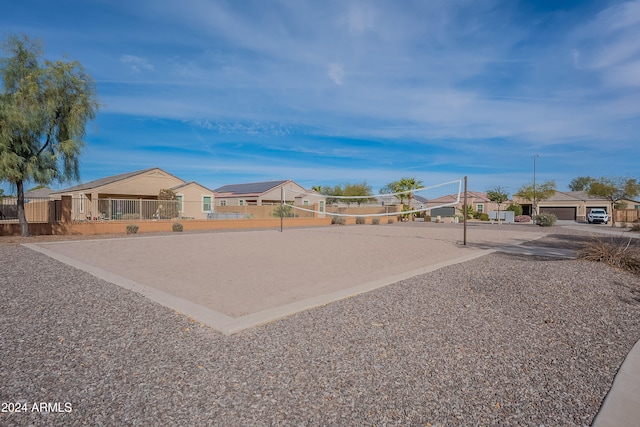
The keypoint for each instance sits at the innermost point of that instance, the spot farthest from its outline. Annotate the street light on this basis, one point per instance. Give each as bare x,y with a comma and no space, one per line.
534,186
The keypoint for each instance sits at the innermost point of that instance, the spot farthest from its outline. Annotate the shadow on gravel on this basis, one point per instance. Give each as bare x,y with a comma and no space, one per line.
577,242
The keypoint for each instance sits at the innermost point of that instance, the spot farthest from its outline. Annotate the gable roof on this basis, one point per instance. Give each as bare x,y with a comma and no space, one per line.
476,196
572,195
103,181
249,188
186,184
38,193
107,180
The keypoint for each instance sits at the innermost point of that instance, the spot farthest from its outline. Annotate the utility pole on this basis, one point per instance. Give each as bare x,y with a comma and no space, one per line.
534,213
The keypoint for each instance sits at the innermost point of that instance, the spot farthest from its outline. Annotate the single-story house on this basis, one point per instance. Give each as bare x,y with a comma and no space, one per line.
566,205
134,195
266,193
478,201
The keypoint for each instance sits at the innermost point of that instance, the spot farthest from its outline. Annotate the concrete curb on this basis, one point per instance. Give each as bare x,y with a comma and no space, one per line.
621,406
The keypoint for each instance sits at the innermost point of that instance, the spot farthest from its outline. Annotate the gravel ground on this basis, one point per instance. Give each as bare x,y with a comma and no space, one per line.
500,340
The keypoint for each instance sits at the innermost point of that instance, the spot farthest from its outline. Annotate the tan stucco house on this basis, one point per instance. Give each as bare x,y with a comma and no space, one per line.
567,205
477,200
265,193
134,194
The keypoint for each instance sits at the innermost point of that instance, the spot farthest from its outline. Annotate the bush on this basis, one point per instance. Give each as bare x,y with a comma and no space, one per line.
176,226
522,218
375,220
616,253
132,228
338,220
635,228
546,219
360,220
517,210
427,218
483,217
390,220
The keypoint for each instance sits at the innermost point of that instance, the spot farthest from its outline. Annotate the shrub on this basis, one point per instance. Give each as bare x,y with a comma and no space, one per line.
483,217
176,226
546,219
522,218
616,253
390,220
132,228
516,208
360,220
375,220
338,220
427,218
635,228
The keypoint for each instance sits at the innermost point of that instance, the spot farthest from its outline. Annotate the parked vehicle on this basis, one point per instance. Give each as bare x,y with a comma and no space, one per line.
598,216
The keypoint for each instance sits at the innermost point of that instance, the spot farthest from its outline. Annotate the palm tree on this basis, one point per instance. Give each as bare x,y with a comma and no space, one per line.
405,187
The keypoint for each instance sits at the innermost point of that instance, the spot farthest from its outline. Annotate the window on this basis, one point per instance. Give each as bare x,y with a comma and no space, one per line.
81,203
480,208
223,203
206,203
180,198
637,207
305,202
241,202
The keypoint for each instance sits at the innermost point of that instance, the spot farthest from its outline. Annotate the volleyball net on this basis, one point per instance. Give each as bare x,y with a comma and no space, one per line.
416,201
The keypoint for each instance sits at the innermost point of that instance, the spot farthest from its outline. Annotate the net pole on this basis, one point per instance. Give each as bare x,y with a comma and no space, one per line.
281,207
464,214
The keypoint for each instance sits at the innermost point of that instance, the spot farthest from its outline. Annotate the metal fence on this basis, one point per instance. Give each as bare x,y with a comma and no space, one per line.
83,209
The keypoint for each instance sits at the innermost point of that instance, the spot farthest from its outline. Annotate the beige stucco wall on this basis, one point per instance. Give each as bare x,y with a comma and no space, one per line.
192,200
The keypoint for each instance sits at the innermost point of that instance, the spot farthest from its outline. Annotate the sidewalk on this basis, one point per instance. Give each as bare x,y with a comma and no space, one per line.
621,407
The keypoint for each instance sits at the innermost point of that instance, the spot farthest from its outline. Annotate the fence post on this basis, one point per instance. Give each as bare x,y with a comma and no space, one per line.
66,209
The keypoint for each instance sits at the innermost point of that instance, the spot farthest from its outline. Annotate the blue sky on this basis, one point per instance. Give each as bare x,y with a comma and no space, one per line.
338,91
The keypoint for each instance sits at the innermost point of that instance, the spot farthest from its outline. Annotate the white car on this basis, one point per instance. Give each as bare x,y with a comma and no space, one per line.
598,215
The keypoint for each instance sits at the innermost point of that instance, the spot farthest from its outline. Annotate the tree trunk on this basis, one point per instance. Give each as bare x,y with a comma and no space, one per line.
22,218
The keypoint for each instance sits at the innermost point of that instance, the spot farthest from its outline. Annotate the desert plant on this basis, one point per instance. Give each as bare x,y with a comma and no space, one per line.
546,219
176,226
375,220
617,253
283,210
360,220
427,218
516,208
483,217
132,228
338,220
522,218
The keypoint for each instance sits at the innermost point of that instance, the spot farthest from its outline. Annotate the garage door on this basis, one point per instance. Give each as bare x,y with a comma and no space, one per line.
561,212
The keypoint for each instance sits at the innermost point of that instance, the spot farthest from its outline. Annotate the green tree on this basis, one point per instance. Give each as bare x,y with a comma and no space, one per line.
44,108
349,193
581,183
614,190
516,208
539,192
498,195
405,187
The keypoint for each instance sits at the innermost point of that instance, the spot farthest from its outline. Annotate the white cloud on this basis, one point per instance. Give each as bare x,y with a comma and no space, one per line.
136,63
336,73
625,75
